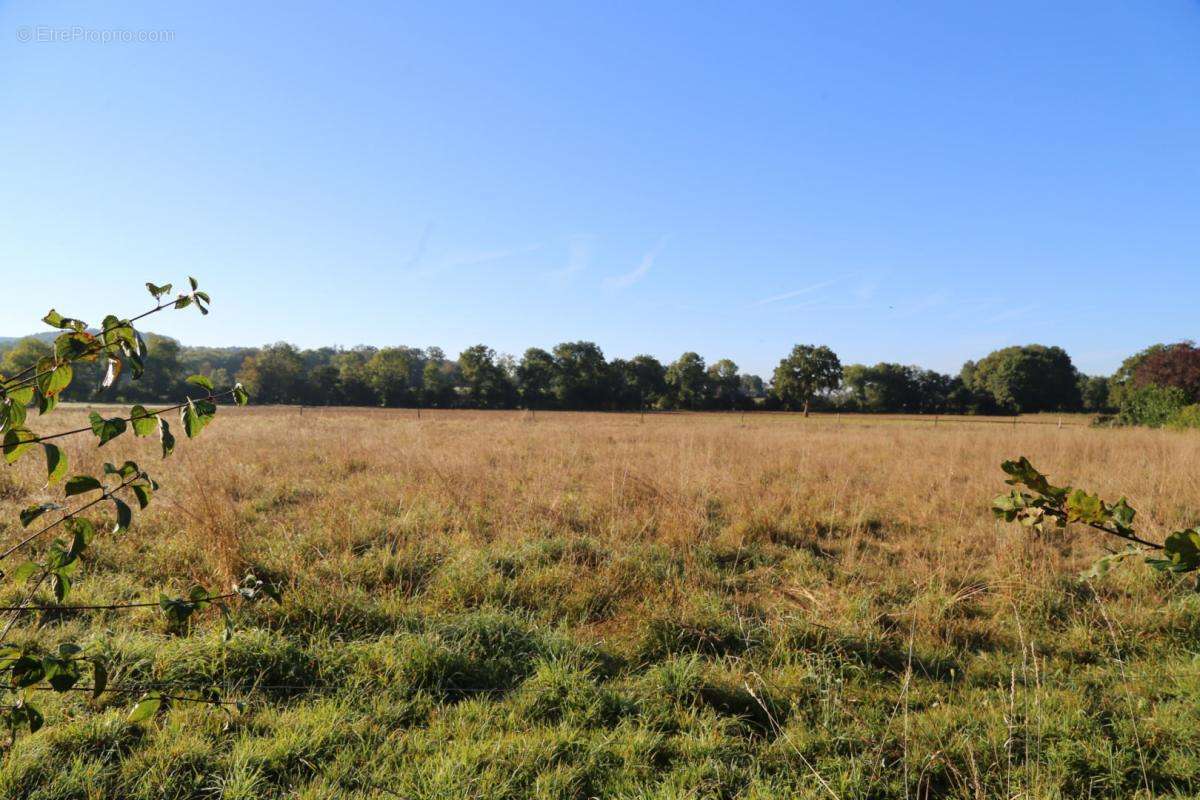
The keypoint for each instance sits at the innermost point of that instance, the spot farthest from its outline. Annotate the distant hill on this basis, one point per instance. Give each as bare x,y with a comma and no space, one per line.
45,336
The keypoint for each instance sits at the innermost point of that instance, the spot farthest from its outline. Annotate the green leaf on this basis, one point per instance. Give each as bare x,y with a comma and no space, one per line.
22,396
1182,551
33,512
1087,508
29,715
56,462
9,653
12,414
166,437
106,429
46,404
143,494
57,320
53,377
239,395
81,484
183,301
196,415
1023,472
193,282
202,381
146,708
158,291
83,532
144,422
61,674
16,442
25,571
126,470
124,516
1123,515
1106,564
26,671
62,586
75,345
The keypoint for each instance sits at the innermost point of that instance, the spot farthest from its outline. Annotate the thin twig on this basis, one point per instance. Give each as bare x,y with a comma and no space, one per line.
108,494
147,415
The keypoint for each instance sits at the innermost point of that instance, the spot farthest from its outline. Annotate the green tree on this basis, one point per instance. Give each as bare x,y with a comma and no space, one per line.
806,372
484,382
164,375
276,374
535,377
396,375
1027,379
354,384
723,384
581,377
438,379
1093,393
687,382
646,378
752,386
24,354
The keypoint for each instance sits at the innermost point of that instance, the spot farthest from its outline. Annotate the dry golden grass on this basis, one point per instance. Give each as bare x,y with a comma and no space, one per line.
857,542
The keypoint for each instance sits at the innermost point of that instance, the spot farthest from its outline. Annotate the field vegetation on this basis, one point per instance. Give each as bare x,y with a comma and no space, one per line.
494,604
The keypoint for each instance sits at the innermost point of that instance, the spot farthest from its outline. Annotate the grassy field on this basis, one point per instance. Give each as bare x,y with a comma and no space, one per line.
588,605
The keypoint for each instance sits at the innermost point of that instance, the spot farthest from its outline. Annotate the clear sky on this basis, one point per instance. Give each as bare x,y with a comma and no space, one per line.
905,181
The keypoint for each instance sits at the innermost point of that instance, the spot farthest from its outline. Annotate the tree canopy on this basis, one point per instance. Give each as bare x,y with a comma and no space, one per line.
805,372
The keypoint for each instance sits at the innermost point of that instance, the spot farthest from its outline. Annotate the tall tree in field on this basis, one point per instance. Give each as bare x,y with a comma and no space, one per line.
581,377
276,372
648,379
354,385
807,371
535,377
687,381
1029,378
438,379
724,385
483,379
395,375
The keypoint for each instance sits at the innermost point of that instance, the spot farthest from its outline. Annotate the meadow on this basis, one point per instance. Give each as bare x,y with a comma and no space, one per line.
484,604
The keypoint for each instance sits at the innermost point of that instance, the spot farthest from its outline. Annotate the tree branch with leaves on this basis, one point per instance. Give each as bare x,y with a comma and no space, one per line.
117,343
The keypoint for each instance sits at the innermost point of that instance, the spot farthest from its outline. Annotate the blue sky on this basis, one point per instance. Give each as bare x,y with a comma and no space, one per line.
918,182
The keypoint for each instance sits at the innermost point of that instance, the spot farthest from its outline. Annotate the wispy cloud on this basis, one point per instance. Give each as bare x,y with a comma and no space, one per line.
419,252
816,287
579,257
488,256
420,264
632,277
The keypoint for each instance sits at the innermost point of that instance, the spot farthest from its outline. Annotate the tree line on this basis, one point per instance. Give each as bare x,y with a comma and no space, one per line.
578,376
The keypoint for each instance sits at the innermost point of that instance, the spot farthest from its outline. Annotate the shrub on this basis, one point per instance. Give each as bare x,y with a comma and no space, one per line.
1151,406
1186,417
